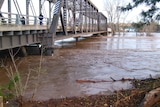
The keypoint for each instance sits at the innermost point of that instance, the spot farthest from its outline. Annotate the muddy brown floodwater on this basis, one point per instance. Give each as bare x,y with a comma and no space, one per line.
92,58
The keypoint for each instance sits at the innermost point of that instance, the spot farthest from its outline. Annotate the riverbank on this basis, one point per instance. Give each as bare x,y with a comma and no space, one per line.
122,98
92,69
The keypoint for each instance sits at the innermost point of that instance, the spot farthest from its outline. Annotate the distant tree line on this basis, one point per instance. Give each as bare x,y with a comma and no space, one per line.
141,26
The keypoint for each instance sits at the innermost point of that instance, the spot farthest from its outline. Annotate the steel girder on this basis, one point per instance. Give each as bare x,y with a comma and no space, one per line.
83,13
75,16
1,3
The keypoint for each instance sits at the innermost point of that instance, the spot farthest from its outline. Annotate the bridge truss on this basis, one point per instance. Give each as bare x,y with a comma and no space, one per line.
63,19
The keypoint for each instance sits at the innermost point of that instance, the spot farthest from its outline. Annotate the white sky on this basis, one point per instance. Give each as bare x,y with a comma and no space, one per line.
133,16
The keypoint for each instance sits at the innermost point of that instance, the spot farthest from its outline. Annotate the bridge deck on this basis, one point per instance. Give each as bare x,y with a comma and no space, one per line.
4,28
77,18
12,36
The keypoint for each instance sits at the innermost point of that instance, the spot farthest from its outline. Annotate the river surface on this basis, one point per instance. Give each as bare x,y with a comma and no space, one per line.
92,58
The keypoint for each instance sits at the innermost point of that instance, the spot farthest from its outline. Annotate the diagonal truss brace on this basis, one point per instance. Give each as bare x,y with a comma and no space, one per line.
63,24
1,3
49,38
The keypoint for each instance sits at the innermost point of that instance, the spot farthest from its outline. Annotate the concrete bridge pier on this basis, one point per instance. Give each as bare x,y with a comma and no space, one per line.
49,51
76,39
48,43
24,51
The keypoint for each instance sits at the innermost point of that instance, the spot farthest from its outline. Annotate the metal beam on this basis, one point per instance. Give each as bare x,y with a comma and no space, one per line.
9,11
89,20
81,17
27,11
40,6
63,24
86,23
65,12
1,3
49,38
53,1
74,16
56,14
99,21
50,10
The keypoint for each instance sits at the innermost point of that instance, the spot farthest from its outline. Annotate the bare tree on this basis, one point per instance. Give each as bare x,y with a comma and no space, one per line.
114,14
149,28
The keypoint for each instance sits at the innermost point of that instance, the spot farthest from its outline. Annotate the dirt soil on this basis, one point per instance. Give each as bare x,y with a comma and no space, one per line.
123,98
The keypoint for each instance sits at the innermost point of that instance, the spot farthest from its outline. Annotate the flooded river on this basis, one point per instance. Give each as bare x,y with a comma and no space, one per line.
92,58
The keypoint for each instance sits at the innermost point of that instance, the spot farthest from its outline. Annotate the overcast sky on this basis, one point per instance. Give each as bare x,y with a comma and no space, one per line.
134,15
99,3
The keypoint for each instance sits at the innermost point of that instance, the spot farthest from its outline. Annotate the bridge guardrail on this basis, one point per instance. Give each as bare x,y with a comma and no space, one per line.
16,19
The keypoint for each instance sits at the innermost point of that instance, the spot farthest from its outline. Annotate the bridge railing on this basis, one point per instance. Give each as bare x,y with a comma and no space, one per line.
16,19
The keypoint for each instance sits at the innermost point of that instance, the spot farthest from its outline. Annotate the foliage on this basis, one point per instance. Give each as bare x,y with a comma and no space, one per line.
138,26
7,91
15,87
152,13
11,82
147,28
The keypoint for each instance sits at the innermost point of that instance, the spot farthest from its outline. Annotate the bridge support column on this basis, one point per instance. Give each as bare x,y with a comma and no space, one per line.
49,51
24,51
76,39
48,43
49,38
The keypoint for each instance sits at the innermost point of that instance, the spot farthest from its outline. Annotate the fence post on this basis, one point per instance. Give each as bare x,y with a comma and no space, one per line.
1,101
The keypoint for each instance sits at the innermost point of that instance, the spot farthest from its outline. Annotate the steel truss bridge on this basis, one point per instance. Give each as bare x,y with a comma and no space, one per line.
63,19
